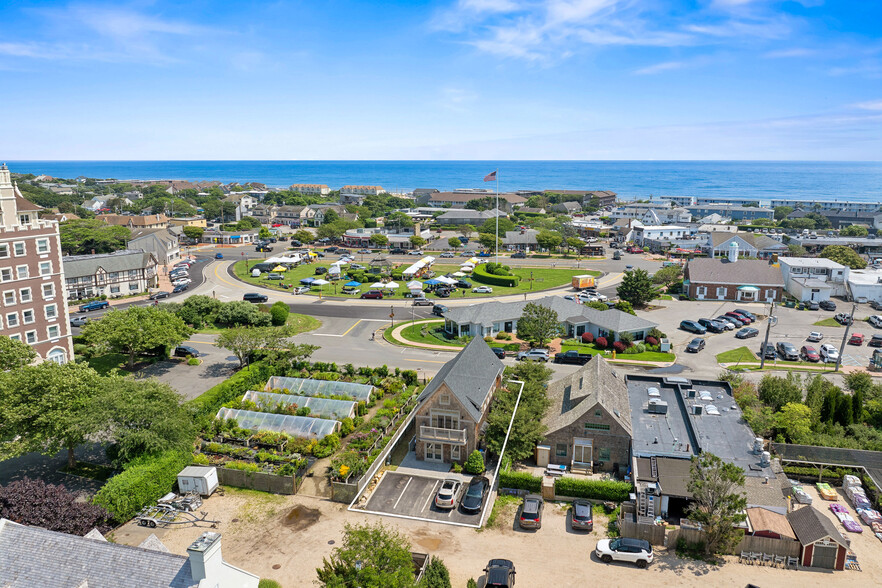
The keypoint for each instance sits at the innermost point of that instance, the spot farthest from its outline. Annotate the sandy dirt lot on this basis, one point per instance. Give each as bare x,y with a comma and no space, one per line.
286,537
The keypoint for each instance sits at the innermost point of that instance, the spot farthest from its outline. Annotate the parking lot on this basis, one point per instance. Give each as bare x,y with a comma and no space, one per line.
409,495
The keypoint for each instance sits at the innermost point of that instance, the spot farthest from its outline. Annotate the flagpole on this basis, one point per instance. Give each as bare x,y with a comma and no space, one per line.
496,214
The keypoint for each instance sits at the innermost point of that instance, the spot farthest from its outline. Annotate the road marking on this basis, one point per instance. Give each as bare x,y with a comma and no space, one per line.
326,335
424,360
218,276
346,332
409,480
432,493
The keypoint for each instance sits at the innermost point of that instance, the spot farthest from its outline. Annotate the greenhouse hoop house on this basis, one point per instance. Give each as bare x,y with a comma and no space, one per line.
326,408
308,387
303,427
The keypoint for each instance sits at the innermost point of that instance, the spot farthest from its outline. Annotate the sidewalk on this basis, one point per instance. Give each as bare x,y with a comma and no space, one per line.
396,336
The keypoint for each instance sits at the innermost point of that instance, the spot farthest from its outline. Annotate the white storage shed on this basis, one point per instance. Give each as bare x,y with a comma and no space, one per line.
201,479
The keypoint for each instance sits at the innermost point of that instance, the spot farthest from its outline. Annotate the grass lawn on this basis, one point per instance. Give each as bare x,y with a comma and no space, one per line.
540,278
827,322
645,356
738,355
435,335
300,323
108,364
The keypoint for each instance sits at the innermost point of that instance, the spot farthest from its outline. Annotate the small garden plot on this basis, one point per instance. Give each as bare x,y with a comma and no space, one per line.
315,387
240,449
323,408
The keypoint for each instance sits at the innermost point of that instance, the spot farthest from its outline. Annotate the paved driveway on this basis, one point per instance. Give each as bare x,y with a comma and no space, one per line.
191,381
409,495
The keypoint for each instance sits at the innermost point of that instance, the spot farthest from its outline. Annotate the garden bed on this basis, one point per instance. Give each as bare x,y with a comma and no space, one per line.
575,344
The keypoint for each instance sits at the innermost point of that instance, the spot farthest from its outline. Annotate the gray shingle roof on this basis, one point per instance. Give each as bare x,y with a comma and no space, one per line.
759,242
595,383
118,261
743,272
469,375
31,556
567,310
810,525
526,237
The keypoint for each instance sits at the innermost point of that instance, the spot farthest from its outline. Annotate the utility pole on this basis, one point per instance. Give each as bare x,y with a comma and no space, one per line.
845,336
773,320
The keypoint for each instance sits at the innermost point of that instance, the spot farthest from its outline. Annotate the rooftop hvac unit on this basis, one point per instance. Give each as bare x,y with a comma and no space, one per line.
690,393
758,445
657,406
697,409
766,459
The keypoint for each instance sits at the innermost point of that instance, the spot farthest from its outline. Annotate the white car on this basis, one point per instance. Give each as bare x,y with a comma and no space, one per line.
446,254
637,551
876,321
601,297
482,290
533,354
829,353
182,282
447,494
814,337
300,290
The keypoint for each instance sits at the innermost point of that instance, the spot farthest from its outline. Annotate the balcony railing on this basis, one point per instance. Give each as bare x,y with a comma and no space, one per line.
434,434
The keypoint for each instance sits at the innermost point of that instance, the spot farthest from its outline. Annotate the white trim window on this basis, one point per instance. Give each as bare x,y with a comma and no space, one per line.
58,355
45,268
27,316
51,311
15,337
42,245
19,249
4,250
9,298
48,291
721,292
6,274
700,291
12,320
30,337
22,272
53,331
770,295
24,295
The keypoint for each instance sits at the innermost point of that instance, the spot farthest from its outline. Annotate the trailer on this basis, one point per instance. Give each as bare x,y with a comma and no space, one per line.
164,515
199,479
187,502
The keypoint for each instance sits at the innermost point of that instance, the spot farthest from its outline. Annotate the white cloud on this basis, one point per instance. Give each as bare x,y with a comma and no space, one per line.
871,105
661,67
787,53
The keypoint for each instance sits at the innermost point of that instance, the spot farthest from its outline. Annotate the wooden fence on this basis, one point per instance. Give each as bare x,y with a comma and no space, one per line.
655,534
748,543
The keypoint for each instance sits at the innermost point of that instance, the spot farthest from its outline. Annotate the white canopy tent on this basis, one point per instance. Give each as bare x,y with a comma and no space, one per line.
392,285
414,285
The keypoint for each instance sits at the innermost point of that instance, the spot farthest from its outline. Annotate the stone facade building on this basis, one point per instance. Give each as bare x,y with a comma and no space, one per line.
453,407
31,277
589,421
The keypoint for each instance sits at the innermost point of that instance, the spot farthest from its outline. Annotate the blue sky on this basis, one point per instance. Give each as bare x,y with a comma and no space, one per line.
464,79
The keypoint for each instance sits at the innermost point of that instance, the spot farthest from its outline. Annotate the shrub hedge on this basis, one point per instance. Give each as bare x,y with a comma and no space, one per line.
142,482
520,481
596,489
479,274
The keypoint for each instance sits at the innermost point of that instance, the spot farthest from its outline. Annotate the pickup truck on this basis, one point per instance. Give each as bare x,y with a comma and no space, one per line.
572,356
96,305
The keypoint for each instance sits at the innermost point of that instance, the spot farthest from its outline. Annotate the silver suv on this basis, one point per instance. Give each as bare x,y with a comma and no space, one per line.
534,355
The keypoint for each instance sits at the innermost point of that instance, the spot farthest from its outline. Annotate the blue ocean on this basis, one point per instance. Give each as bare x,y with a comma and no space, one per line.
811,180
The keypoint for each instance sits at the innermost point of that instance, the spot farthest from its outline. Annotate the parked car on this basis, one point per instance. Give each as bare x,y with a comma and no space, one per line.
811,305
498,352
809,353
439,310
814,336
465,254
179,289
414,252
712,326
856,339
770,352
422,301
637,551
875,341
300,290
218,255
746,333
186,350
500,573
482,290
95,305
254,297
321,270
158,295
843,318
734,319
582,518
448,493
446,254
533,355
787,351
463,284
373,294
519,255
365,251
397,251
180,281
727,322
79,321
746,313
829,353
531,512
739,317
875,320
695,345
827,305
443,292
484,254
275,276
572,356
473,499
693,327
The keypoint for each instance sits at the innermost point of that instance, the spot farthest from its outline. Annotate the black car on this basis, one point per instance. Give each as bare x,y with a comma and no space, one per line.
443,292
788,351
695,345
180,288
811,305
254,297
746,333
875,305
321,270
582,515
712,326
500,352
462,284
185,351
770,352
397,251
827,305
439,309
500,574
158,295
875,341
473,498
519,255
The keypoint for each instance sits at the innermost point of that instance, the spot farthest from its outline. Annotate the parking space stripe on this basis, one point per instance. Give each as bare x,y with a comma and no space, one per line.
424,360
402,493
432,493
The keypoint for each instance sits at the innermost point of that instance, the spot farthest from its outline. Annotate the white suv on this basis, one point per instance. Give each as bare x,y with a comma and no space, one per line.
876,321
533,354
637,551
829,353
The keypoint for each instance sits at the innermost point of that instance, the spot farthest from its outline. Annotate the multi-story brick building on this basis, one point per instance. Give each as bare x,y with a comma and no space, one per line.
32,297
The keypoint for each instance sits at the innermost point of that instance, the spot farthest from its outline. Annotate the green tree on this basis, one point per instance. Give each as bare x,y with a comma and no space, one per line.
264,233
80,237
194,232
794,250
667,275
798,223
437,575
417,241
135,330
199,310
795,421
718,501
538,324
141,417
304,236
246,341
471,583
284,353
777,391
14,354
468,230
379,240
371,556
575,243
42,408
454,243
844,255
854,231
637,288
548,240
489,240
334,229
398,220
331,216
239,313
625,306
475,463
527,429
279,313
781,212
489,226
597,305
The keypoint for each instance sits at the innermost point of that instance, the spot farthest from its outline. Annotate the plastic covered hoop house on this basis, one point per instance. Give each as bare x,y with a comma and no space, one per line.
325,408
308,387
303,427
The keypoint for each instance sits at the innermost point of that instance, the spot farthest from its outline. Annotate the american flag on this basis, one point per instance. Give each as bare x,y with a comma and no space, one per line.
490,177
